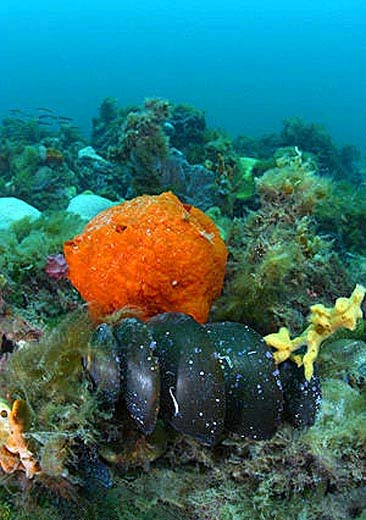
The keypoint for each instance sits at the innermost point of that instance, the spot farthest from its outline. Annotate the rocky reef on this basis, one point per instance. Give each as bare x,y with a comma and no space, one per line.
100,405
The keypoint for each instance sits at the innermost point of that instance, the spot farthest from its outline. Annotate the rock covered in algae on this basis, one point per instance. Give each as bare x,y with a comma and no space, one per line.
13,209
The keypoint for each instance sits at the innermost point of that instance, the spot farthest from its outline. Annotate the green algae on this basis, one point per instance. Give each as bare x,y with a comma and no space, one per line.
279,265
23,252
346,213
340,429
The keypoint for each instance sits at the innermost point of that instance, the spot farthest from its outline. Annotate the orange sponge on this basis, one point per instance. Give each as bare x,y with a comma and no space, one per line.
151,253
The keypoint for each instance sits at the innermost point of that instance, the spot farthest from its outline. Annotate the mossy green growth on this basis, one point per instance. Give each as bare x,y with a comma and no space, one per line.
26,162
276,250
346,213
340,429
16,130
143,144
294,183
48,376
108,109
23,170
345,359
28,242
23,252
43,185
295,474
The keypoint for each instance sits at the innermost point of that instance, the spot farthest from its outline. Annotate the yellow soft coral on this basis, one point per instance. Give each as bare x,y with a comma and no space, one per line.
14,452
324,321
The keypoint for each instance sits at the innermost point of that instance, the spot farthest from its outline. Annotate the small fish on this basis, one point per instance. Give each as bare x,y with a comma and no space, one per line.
65,118
45,123
44,109
47,116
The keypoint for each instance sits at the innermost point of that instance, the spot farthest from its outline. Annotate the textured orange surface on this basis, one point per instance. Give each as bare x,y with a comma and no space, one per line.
151,253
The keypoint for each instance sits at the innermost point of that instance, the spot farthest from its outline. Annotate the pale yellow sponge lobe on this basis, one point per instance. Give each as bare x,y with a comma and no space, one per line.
324,321
14,451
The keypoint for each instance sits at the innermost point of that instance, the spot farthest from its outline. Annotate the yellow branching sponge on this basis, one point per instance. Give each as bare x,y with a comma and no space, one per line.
324,321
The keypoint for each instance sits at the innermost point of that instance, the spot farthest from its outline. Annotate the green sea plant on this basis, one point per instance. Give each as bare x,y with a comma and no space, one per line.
23,252
40,180
23,167
47,376
346,215
143,143
222,222
188,131
244,183
340,163
39,175
106,127
313,139
19,130
278,263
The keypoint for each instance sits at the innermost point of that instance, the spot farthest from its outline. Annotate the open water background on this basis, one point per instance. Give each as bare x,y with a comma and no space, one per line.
247,63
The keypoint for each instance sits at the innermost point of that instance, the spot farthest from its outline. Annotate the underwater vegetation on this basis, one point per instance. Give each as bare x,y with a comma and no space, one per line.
43,370
346,213
36,159
312,138
124,412
143,143
24,249
75,437
279,263
164,147
153,148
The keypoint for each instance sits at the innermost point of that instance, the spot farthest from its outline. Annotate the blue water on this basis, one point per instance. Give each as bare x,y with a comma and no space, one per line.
248,64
